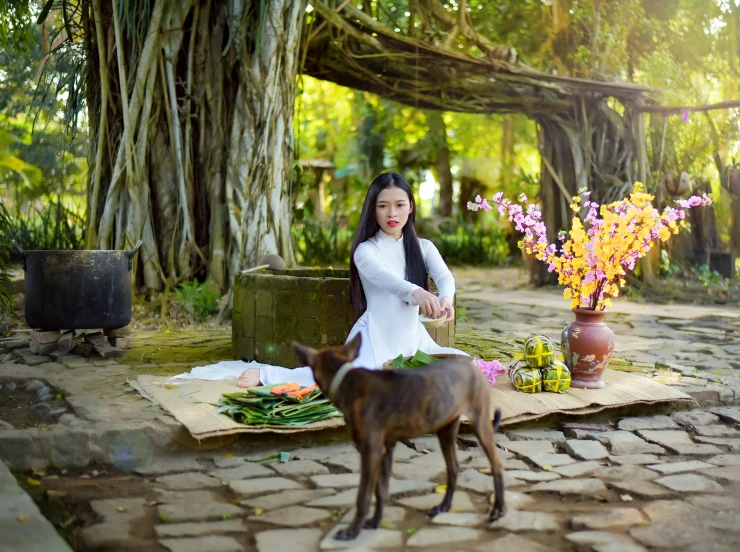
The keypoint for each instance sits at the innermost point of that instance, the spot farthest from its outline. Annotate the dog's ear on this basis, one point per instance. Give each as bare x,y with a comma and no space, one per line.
306,355
352,349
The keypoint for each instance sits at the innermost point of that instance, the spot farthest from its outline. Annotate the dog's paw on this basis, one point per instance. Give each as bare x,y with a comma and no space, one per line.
437,510
346,534
497,513
372,524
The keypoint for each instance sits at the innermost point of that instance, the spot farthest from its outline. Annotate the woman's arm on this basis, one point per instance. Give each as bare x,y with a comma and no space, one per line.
443,279
437,269
377,274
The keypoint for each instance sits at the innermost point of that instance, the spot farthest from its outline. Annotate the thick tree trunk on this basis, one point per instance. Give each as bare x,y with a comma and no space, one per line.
704,234
561,28
557,185
194,153
438,132
470,187
652,259
261,139
507,147
597,150
735,224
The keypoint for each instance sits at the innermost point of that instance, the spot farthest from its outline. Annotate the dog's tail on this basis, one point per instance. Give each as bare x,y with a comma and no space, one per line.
496,419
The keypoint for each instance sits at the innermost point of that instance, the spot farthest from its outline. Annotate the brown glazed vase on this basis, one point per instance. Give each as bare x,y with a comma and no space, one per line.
588,345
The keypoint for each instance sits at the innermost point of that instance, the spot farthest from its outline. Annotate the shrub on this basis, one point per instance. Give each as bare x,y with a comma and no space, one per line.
197,299
319,244
470,244
56,227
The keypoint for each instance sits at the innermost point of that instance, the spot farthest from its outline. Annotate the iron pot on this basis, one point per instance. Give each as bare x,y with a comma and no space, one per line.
77,289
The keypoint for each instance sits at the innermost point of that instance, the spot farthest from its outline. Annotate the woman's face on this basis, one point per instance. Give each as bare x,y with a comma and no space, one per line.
392,211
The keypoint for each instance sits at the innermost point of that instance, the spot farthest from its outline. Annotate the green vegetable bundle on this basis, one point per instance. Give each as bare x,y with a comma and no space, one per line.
258,406
418,360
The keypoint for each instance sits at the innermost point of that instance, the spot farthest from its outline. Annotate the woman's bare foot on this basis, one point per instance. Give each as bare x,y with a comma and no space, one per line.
249,378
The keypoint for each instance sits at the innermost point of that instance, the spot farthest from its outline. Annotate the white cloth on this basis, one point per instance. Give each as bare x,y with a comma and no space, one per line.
390,326
232,369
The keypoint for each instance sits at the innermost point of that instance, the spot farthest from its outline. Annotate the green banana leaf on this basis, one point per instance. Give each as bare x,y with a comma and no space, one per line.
418,360
422,359
258,406
399,362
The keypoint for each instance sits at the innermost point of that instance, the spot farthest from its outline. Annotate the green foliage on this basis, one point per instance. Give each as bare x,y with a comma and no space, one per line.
198,299
707,277
57,226
319,244
30,174
6,301
363,135
464,244
39,162
471,244
16,26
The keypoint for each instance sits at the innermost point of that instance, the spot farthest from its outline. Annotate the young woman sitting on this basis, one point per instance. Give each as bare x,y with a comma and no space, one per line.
389,270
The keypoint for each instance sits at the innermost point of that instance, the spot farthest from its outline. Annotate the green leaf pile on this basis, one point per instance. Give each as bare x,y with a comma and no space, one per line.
258,406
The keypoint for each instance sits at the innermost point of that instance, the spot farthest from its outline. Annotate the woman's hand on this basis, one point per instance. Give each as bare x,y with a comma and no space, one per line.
428,303
445,305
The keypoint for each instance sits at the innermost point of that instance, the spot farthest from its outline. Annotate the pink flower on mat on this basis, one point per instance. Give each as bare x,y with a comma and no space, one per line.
491,369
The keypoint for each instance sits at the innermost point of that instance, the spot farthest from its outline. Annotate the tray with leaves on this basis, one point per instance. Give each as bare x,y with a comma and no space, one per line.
259,405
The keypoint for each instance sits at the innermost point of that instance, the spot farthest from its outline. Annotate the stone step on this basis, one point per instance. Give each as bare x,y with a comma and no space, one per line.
29,530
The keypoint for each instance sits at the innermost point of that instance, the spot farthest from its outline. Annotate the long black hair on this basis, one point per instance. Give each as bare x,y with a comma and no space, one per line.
416,270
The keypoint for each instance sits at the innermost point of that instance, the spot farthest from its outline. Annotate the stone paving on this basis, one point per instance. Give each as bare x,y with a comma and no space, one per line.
620,482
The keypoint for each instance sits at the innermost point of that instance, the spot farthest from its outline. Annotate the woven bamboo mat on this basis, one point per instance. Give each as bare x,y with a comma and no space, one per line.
622,389
194,403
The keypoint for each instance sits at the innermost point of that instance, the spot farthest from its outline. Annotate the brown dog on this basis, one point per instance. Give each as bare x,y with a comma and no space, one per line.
382,407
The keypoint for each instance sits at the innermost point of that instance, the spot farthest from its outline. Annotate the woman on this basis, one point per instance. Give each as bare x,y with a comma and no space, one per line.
389,267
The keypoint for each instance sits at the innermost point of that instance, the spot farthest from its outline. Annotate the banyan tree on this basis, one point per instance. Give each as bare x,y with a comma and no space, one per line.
191,105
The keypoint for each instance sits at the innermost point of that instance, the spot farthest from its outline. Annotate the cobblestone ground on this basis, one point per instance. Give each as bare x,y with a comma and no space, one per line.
668,480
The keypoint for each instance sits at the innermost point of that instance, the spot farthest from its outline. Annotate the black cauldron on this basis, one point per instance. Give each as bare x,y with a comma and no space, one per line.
77,289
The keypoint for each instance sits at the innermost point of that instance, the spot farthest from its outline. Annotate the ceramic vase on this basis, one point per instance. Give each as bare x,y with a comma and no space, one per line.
587,345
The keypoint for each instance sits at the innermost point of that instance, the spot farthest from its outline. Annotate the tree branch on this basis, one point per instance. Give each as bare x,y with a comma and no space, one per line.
672,110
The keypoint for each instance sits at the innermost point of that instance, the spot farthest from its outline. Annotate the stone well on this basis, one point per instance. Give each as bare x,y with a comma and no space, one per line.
274,308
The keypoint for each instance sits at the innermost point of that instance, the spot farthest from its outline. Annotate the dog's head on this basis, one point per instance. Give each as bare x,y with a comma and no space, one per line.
326,362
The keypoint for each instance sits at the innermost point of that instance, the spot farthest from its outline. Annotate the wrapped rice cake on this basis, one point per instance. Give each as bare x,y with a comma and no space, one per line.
514,366
538,351
556,377
527,379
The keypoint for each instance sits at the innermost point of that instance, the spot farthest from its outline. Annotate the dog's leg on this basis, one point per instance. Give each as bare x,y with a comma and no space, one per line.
448,445
381,488
483,428
371,453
